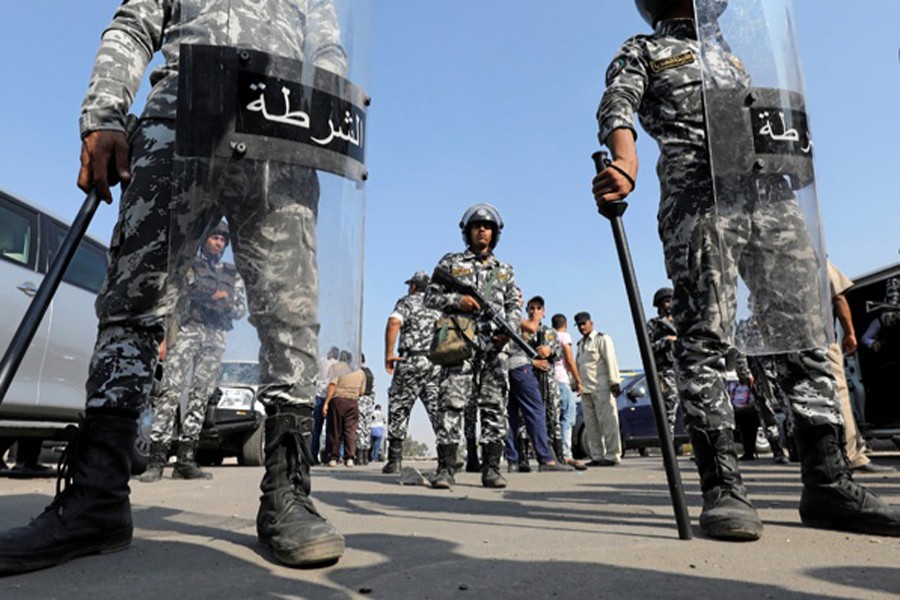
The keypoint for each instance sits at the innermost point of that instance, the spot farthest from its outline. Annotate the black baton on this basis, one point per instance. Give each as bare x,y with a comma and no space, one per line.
614,211
44,295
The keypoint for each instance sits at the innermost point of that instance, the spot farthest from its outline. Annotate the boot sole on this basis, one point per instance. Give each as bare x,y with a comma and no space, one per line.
321,552
177,475
115,542
879,529
732,528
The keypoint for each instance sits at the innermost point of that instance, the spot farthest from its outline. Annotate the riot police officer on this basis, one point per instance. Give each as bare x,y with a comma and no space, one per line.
162,211
213,299
659,77
482,376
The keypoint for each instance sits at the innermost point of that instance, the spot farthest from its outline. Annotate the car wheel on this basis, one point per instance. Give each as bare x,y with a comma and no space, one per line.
140,454
644,451
253,452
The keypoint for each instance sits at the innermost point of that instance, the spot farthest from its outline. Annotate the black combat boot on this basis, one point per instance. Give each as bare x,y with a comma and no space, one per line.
159,456
727,512
443,478
394,458
490,471
186,466
90,513
287,521
473,465
523,446
830,498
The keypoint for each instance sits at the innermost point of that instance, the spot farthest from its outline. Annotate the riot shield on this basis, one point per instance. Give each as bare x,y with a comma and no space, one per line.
775,295
271,136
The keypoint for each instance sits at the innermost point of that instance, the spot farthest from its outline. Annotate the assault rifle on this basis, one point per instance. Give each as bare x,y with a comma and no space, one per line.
487,314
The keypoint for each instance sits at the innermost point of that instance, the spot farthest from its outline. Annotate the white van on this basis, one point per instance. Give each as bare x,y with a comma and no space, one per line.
48,391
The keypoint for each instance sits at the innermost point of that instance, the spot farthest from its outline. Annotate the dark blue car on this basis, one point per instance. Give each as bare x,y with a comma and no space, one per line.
636,422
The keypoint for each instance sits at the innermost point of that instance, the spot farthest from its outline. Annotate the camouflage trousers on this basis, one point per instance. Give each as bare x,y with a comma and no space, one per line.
668,385
193,361
364,425
481,380
414,378
162,216
706,249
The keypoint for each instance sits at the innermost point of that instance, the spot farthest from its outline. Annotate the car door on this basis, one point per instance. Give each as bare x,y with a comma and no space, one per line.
19,280
73,324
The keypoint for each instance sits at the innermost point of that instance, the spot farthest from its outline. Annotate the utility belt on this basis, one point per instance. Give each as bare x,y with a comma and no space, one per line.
414,353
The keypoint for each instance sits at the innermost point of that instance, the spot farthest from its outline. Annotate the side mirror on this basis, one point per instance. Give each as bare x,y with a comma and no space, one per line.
636,393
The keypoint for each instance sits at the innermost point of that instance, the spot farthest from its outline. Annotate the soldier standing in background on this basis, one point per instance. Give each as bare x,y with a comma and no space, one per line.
659,77
414,376
662,333
366,409
483,375
214,297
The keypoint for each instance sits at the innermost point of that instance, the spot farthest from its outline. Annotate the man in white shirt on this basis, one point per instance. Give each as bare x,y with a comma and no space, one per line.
600,381
564,371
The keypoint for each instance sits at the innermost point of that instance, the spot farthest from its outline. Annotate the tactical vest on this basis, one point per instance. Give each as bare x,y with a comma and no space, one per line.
208,279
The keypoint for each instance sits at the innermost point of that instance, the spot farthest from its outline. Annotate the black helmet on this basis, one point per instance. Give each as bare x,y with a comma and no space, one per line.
221,229
481,213
661,295
652,10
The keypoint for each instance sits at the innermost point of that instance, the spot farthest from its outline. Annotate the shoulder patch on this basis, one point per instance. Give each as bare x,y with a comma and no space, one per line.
614,69
663,64
458,271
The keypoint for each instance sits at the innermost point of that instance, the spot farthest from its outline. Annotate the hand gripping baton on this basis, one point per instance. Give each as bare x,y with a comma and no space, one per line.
44,295
614,211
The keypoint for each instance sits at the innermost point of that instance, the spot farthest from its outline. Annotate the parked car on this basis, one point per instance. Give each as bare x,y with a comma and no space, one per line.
872,376
47,394
636,422
235,418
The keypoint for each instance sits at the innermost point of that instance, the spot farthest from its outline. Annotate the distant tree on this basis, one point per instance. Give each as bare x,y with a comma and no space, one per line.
414,449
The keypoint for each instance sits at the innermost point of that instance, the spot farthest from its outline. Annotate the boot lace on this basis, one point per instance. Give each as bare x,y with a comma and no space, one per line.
65,488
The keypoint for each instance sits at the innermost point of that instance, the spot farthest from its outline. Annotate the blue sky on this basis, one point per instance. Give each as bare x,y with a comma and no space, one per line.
494,101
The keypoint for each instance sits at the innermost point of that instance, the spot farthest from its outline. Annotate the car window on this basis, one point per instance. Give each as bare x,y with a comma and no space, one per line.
17,234
88,266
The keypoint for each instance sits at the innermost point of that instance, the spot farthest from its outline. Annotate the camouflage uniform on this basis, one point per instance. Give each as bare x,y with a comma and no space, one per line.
366,404
274,233
660,329
195,354
708,243
482,377
415,376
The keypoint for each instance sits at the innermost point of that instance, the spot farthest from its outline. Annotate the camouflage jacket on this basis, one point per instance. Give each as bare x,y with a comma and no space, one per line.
205,278
416,323
659,330
658,76
492,278
298,29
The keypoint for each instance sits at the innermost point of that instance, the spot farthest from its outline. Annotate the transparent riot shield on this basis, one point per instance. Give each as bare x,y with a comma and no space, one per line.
761,157
271,137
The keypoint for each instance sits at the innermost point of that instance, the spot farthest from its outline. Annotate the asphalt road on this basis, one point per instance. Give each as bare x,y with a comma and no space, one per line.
604,533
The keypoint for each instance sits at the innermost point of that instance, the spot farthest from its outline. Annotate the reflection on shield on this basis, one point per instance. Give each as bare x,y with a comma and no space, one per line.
271,137
775,295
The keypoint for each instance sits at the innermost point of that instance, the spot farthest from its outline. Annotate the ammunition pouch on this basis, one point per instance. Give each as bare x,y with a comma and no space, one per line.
453,341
